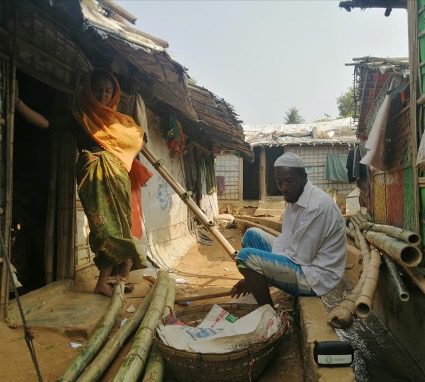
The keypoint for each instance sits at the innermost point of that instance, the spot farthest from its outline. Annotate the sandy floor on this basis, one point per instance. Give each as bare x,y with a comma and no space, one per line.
204,270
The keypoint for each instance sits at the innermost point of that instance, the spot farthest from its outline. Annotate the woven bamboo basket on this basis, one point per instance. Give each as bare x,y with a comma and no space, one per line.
240,365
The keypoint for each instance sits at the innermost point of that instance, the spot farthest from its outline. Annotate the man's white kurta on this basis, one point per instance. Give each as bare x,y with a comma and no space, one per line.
313,236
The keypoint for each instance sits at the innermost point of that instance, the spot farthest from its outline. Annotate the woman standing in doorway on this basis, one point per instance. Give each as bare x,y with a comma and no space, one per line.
108,142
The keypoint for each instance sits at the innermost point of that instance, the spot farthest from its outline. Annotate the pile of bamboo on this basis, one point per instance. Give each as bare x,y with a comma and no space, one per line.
376,241
100,350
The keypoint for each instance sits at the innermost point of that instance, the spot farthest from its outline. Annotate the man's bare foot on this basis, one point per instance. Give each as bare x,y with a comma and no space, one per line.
106,290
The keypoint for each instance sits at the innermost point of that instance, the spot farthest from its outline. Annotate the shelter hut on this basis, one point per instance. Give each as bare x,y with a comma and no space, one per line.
396,187
323,146
381,89
45,48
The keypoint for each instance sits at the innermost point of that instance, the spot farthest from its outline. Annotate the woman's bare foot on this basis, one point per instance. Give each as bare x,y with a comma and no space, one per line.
106,290
102,286
125,269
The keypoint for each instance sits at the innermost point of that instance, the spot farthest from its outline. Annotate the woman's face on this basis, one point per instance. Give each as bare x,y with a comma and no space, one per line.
103,90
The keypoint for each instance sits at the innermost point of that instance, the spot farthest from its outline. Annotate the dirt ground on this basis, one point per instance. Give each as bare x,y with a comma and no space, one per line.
204,270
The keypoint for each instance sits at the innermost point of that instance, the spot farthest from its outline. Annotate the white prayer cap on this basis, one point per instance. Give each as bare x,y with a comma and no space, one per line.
289,160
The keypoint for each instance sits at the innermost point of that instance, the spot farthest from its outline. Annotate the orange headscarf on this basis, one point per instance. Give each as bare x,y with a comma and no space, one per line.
114,131
117,133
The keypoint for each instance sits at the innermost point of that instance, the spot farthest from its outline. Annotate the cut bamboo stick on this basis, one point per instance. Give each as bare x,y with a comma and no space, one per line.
364,302
95,370
133,364
341,316
408,237
405,254
98,337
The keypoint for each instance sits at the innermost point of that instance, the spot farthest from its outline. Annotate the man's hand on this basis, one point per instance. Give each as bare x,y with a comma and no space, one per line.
240,289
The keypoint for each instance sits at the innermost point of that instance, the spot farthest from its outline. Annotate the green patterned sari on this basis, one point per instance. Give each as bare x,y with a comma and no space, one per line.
104,191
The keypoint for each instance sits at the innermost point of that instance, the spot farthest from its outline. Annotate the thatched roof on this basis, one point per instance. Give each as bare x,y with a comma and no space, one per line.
108,31
333,132
97,33
218,119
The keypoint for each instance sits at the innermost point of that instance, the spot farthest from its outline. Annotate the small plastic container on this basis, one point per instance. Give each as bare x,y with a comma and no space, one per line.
333,353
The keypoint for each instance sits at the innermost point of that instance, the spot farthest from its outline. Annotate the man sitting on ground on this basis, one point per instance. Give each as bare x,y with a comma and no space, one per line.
308,257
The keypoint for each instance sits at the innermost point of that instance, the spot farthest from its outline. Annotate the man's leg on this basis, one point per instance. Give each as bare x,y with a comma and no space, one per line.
257,284
266,268
257,238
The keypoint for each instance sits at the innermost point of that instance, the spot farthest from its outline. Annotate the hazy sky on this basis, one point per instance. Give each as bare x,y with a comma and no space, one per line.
263,57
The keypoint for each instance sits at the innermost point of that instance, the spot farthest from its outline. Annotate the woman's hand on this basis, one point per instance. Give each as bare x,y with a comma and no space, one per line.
31,115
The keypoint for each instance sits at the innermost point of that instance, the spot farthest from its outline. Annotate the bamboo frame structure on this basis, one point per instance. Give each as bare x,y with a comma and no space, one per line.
95,370
405,254
135,361
182,193
98,337
364,302
408,237
341,316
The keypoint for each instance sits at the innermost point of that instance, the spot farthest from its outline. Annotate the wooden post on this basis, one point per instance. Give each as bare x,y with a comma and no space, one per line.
49,241
262,173
241,181
4,287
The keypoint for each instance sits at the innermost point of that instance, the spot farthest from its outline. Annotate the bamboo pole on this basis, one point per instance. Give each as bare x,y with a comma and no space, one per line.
155,365
182,193
133,364
95,370
351,233
402,292
351,227
364,302
203,296
169,301
98,337
341,316
417,277
404,254
408,237
9,150
51,210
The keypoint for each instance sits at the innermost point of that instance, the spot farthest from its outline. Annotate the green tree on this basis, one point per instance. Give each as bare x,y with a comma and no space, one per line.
345,103
293,116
